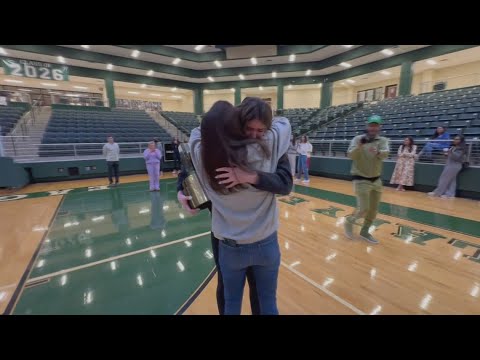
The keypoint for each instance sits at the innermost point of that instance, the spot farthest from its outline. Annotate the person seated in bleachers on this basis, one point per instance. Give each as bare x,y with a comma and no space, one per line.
437,144
447,184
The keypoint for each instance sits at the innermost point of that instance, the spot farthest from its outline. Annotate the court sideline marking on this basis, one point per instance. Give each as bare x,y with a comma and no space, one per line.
323,289
65,271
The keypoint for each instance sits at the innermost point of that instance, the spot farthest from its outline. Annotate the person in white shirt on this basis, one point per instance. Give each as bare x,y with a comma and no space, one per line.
304,149
111,151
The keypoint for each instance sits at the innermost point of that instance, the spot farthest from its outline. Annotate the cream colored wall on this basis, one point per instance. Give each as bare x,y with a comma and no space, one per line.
343,95
187,103
210,99
301,98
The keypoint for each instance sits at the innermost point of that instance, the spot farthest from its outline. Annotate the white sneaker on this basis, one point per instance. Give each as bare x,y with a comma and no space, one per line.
447,197
431,193
306,181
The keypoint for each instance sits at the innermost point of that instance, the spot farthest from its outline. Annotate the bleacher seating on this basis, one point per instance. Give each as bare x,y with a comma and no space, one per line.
93,126
183,121
9,116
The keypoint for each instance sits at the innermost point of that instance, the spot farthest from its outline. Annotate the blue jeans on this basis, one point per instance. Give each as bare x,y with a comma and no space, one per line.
264,259
302,166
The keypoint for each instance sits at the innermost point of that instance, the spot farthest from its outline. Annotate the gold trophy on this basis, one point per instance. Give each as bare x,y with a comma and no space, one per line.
191,184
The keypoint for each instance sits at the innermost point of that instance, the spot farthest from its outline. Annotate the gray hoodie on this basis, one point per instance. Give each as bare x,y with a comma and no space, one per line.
249,215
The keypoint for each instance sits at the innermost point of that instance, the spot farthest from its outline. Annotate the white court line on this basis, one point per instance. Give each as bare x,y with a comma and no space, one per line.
65,271
8,286
324,289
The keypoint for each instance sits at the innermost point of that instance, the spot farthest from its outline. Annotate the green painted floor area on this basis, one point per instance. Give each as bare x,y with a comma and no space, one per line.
153,282
94,225
446,222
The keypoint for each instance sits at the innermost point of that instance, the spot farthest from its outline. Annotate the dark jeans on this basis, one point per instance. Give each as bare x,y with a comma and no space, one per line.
254,303
112,171
176,161
263,257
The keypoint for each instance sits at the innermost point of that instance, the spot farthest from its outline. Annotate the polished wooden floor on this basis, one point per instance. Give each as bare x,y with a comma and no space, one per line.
322,272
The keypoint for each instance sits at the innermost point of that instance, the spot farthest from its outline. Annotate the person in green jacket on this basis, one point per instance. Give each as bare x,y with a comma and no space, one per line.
367,152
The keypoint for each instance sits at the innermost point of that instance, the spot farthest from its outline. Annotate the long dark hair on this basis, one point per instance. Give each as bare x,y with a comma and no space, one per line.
436,134
412,142
224,142
462,146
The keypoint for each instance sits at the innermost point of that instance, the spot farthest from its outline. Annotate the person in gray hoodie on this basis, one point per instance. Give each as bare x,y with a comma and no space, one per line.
244,218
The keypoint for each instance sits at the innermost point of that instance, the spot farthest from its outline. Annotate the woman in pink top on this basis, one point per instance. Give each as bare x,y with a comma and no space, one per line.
152,157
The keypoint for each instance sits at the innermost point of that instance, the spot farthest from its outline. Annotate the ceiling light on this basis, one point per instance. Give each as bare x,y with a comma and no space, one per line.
342,83
232,89
387,52
217,63
61,59
291,58
384,72
176,61
290,86
199,47
274,74
206,91
211,79
143,86
85,46
260,88
13,81
150,72
80,87
176,96
320,85
29,90
308,72
2,51
241,77
347,46
351,81
431,62
135,53
109,66
159,95
174,89
345,64
133,92
254,61
49,84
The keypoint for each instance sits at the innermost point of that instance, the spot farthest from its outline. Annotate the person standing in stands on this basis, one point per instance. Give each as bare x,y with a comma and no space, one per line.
111,151
447,184
152,157
304,149
404,172
367,153
439,142
278,182
176,156
292,155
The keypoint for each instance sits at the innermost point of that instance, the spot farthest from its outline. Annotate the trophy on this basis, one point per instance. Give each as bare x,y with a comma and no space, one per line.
191,184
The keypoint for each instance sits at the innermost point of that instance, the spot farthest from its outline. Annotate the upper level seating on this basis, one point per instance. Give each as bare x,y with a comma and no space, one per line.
9,116
93,126
184,121
299,116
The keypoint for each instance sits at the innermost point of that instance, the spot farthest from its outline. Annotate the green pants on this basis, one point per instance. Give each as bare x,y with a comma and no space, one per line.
368,199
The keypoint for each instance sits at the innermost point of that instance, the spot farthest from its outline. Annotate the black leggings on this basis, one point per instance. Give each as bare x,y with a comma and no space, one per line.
112,171
254,304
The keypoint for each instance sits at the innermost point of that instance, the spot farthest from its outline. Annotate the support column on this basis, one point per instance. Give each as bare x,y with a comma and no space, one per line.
198,101
110,91
406,76
280,97
326,95
238,95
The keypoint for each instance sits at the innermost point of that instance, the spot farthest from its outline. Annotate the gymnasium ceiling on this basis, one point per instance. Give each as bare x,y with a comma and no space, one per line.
222,66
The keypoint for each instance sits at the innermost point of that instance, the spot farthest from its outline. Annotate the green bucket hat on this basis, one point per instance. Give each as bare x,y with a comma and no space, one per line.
374,119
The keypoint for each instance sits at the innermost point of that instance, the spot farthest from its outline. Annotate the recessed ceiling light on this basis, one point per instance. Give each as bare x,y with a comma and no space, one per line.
134,92
158,95
347,46
109,66
13,81
176,61
85,46
49,84
232,89
217,63
351,81
308,72
135,53
61,59
80,87
254,61
320,85
345,64
291,58
174,89
241,77
206,91
385,72
176,96
290,86
143,86
150,72
260,88
431,62
199,47
211,79
342,83
387,52
2,51
274,74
